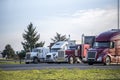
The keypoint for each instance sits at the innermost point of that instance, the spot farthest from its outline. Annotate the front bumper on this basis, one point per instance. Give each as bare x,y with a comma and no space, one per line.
29,60
49,60
57,60
94,61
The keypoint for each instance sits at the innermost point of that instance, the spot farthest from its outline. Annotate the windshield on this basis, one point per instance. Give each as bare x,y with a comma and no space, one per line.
89,40
101,45
36,50
55,49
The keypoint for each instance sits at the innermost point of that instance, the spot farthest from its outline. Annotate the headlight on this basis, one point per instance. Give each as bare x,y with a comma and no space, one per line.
99,58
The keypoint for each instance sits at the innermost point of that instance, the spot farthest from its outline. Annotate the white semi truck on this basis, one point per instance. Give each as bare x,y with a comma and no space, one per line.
57,53
36,55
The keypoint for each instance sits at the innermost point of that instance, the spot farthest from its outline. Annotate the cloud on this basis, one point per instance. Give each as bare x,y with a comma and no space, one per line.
89,22
93,19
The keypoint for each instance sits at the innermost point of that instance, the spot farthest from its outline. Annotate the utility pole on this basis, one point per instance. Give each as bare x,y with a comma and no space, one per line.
118,13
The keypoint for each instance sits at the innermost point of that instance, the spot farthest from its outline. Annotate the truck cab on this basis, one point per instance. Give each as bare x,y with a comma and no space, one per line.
106,48
78,53
36,55
57,52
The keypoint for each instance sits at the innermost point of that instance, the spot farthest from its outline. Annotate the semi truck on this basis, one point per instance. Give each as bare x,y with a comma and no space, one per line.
36,55
57,53
106,48
78,53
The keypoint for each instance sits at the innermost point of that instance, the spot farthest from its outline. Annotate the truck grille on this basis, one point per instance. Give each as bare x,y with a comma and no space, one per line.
91,55
61,53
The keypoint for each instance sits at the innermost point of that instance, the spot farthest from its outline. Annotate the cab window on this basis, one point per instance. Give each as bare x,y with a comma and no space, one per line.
117,44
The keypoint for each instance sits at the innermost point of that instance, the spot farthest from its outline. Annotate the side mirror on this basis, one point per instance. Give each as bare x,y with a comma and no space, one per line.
112,44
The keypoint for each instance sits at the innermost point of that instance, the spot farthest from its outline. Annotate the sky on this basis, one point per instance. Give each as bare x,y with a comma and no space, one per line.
67,17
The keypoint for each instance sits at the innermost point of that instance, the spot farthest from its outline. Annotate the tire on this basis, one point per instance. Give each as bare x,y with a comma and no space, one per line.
90,63
71,60
35,60
78,60
26,62
107,61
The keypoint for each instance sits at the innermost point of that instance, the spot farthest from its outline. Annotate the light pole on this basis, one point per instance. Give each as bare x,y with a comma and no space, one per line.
118,13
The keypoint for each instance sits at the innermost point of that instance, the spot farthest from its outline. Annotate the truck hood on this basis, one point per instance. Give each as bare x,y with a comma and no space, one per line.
69,52
52,53
96,49
33,54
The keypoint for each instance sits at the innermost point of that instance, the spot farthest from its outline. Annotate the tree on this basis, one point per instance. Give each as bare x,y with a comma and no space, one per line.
40,44
59,37
21,55
8,51
30,39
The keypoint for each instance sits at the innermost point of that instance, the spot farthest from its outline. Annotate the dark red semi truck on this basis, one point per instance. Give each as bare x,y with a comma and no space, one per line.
78,53
106,48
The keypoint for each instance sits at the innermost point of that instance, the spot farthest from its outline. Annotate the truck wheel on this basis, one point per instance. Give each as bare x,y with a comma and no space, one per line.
78,60
90,63
71,60
26,62
107,61
35,60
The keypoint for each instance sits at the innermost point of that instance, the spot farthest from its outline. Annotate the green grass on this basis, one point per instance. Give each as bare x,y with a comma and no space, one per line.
10,61
61,74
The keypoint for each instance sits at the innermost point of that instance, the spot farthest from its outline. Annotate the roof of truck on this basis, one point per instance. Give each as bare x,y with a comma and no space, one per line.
106,36
59,44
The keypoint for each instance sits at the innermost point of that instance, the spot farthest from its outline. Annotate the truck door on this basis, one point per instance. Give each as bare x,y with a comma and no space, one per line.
39,53
85,48
117,51
77,51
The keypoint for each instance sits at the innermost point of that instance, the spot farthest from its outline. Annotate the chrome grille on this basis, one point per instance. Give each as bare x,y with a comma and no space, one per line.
60,53
91,54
